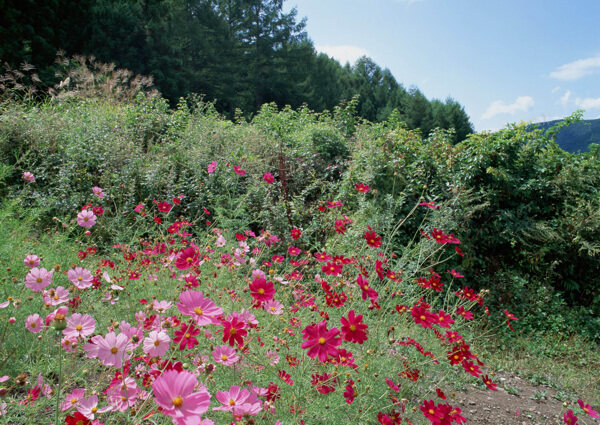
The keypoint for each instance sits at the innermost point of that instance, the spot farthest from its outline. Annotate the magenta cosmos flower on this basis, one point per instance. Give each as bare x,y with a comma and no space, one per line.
32,260
203,310
86,219
261,290
80,277
99,192
79,326
110,350
38,278
320,341
156,344
174,392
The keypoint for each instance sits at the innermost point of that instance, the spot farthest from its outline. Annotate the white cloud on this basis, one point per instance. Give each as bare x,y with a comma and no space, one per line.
577,69
522,103
564,99
555,89
343,53
588,103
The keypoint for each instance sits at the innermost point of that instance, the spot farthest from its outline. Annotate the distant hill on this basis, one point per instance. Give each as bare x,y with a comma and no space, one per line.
576,137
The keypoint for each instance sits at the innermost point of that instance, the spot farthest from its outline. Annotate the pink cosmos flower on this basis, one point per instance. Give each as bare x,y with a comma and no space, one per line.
38,279
268,177
60,310
72,399
29,177
122,394
88,407
161,306
238,401
221,241
86,219
56,296
570,418
174,393
134,333
321,342
110,350
79,326
212,167
32,260
156,344
34,323
273,307
80,277
98,192
261,290
203,310
225,355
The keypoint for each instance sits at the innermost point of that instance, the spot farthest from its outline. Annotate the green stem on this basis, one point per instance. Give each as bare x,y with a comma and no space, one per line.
60,360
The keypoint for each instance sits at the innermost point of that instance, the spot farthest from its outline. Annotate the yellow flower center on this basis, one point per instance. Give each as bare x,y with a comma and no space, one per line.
156,343
232,402
224,357
232,331
73,400
352,328
187,335
261,291
94,409
178,401
79,278
198,311
85,219
33,325
114,350
78,327
322,340
39,280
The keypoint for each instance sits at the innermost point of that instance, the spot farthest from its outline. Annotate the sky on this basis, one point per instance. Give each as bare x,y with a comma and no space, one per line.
505,61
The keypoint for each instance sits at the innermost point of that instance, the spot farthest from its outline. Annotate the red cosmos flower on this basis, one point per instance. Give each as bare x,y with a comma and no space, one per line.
261,290
326,381
440,394
187,258
186,336
455,273
458,251
392,385
332,269
322,257
464,313
335,299
372,239
77,419
510,316
238,170
362,188
430,411
439,236
353,330
367,291
423,316
429,205
340,227
350,393
268,177
234,331
164,207
570,418
285,377
295,233
320,341
443,320
471,368
292,250
588,409
379,269
488,383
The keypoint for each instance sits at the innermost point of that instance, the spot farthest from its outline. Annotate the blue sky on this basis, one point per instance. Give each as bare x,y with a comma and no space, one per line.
504,60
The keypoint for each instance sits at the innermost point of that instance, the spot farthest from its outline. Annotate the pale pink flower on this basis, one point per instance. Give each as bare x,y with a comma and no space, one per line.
32,260
86,219
156,344
88,407
29,177
80,277
203,310
273,307
34,323
69,345
110,350
56,296
174,392
38,279
98,191
238,401
273,357
60,310
72,399
123,395
79,326
4,304
220,242
134,333
161,306
225,355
